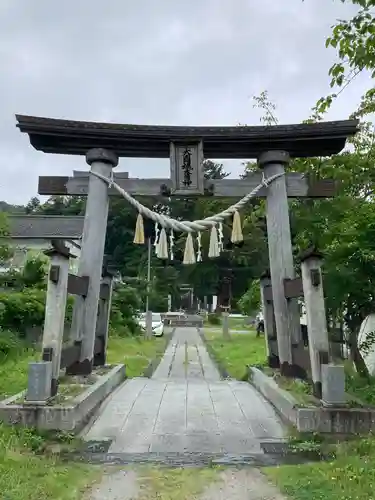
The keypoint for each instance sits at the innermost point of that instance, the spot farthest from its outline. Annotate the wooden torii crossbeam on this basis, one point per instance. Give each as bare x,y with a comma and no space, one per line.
187,148
75,137
298,186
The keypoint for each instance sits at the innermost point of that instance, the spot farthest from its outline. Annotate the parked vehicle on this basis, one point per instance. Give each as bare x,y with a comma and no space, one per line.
157,324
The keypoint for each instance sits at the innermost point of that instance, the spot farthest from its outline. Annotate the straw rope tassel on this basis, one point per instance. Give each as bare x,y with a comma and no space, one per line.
171,244
214,250
139,235
189,254
199,252
220,236
237,235
156,242
162,251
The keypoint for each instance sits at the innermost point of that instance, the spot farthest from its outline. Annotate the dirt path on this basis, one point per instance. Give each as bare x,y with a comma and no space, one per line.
185,484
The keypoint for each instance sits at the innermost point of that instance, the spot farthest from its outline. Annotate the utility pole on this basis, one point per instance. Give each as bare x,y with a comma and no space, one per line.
148,333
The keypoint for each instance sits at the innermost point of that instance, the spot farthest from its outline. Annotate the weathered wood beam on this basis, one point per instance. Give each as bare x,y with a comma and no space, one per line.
53,135
298,186
292,288
70,352
78,285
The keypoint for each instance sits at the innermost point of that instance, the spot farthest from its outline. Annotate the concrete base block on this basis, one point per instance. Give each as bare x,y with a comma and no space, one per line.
338,420
68,418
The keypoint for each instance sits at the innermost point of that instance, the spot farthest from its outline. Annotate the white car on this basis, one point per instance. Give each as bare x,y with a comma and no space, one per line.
157,324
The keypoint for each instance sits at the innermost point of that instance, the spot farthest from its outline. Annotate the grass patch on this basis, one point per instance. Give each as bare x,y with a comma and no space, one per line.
175,484
237,352
25,475
302,390
360,388
351,475
239,324
13,372
135,352
234,324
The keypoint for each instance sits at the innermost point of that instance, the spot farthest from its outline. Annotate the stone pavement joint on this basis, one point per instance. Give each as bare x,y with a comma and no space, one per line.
186,408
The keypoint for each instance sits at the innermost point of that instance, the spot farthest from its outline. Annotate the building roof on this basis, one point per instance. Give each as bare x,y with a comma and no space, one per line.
53,135
45,227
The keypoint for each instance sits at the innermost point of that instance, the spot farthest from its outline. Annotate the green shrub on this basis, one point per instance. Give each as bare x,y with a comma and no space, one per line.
22,310
250,301
126,303
34,272
214,319
33,275
9,343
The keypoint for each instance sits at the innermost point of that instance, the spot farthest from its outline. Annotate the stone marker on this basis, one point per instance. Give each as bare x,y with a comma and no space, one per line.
39,382
225,320
333,385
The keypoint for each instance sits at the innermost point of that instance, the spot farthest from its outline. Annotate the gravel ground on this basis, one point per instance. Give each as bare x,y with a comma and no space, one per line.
243,484
120,485
231,484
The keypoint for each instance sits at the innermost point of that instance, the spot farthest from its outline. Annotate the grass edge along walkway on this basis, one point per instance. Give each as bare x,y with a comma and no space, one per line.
350,476
27,474
237,352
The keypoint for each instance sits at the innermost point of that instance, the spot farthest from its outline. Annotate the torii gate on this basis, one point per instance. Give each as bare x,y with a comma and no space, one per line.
272,146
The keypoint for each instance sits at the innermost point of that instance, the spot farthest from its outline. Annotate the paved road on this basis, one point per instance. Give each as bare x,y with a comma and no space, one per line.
186,408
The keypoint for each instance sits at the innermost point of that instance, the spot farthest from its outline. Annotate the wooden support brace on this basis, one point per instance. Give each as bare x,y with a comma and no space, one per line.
269,323
102,323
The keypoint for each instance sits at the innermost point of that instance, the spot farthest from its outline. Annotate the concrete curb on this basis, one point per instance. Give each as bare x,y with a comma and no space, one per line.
312,419
69,418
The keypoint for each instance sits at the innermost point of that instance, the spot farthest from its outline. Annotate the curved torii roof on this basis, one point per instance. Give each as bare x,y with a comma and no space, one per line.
52,135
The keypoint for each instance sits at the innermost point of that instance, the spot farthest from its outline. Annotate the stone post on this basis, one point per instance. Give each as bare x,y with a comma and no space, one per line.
281,256
57,290
90,264
312,282
225,320
269,323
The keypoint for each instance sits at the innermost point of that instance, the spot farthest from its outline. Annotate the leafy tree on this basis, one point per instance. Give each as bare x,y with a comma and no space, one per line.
354,41
34,273
250,300
125,306
342,228
33,205
5,250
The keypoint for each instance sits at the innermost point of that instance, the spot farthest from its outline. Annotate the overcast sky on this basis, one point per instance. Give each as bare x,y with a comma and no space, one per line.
196,62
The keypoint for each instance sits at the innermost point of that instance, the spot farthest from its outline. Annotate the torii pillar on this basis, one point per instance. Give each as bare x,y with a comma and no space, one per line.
85,310
281,257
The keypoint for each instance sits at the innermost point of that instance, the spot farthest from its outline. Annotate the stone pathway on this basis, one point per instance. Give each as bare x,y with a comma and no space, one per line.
185,408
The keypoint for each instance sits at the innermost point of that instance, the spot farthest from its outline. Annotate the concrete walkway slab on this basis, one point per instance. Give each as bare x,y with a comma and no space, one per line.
186,408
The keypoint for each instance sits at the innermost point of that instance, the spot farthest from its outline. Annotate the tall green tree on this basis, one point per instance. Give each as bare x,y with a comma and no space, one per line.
354,42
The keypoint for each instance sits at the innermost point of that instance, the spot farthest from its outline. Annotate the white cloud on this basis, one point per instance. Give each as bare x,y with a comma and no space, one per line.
165,62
